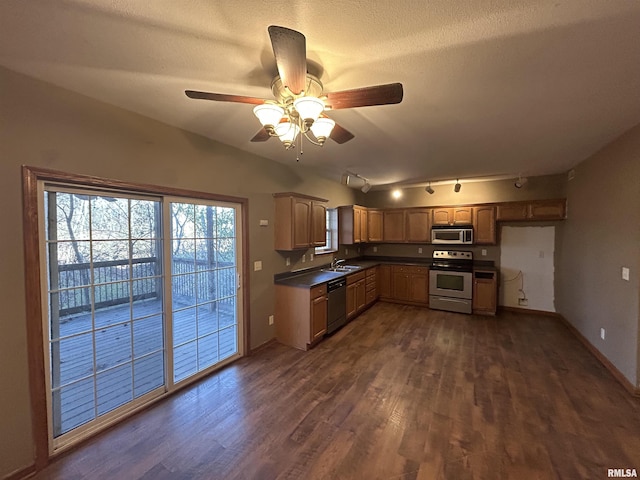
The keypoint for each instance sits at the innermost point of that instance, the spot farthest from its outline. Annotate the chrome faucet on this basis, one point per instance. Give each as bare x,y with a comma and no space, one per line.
335,262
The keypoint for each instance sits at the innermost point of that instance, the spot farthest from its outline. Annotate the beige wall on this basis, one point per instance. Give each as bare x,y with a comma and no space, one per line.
48,127
599,237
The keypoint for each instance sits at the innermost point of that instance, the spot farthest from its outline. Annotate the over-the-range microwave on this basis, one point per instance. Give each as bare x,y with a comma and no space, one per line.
461,234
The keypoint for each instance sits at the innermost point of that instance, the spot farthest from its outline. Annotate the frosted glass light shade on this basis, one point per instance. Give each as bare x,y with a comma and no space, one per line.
287,132
268,114
309,108
322,128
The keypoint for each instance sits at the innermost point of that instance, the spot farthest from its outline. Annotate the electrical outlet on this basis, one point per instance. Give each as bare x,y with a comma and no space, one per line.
484,252
602,333
257,265
419,249
304,257
287,262
311,257
375,249
523,302
270,319
346,251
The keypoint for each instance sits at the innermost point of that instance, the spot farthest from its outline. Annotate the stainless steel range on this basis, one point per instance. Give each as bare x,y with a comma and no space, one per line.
450,281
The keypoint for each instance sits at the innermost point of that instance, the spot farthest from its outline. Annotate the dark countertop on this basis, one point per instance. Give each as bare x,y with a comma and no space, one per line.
313,277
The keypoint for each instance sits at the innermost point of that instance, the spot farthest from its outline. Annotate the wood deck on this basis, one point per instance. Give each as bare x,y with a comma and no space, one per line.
399,393
129,349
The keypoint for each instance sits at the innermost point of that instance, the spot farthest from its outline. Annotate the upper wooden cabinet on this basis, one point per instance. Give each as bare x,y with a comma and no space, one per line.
484,225
374,225
532,210
393,225
352,224
418,225
452,216
299,221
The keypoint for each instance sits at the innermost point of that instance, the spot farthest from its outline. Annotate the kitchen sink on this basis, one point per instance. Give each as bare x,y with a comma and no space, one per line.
342,268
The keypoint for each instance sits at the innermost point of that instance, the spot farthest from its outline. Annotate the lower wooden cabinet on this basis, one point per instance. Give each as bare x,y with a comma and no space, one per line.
485,292
356,290
404,284
300,315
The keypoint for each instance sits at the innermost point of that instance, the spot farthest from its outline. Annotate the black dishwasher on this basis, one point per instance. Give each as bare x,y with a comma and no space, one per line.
337,304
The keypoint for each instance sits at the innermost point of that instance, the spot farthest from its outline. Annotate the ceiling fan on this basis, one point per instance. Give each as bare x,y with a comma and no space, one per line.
300,102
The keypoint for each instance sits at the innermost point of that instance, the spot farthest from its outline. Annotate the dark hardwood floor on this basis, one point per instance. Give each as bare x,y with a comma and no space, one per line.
399,393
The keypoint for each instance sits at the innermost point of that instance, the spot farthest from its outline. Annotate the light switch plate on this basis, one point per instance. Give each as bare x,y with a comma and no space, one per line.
257,265
625,273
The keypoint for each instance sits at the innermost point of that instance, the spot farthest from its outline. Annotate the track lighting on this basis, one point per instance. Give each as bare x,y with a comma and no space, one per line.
457,186
366,187
345,179
520,182
429,190
348,176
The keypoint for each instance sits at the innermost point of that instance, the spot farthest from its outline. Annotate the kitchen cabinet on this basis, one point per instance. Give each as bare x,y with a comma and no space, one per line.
299,221
410,284
393,229
384,282
418,225
484,225
356,293
300,315
452,216
371,285
374,225
531,210
352,224
485,292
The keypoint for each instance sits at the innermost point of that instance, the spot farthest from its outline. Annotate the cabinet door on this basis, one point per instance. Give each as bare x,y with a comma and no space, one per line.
393,225
484,225
418,223
318,224
485,292
301,223
361,297
374,226
384,281
442,216
318,317
357,226
400,284
363,225
512,211
462,215
419,288
352,306
547,210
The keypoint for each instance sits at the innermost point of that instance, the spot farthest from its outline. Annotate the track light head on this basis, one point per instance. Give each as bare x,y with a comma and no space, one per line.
429,190
366,187
457,186
520,182
345,179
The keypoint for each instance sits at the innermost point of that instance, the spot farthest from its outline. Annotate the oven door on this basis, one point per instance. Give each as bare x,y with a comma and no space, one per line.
450,283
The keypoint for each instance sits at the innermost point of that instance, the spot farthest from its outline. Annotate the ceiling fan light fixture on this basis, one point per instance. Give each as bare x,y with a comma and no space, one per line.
309,109
322,128
269,115
287,132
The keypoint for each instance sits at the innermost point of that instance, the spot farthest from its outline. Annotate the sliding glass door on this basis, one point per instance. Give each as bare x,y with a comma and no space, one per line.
130,311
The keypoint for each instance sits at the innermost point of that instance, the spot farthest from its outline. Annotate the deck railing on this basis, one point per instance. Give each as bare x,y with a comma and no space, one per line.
117,281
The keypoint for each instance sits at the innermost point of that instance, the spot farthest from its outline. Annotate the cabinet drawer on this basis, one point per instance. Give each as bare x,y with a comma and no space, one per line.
355,277
410,269
371,286
371,272
370,296
319,291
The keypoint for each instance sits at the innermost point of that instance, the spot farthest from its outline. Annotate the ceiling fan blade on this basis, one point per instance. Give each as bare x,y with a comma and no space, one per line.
221,97
340,135
261,136
365,97
290,50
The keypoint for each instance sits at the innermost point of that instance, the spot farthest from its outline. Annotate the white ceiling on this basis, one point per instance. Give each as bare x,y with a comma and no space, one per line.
490,87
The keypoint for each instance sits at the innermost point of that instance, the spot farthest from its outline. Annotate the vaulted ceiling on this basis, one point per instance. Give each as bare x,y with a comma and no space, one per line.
491,88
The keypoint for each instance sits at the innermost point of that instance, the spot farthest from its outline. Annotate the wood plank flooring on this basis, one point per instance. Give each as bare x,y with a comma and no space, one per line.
399,393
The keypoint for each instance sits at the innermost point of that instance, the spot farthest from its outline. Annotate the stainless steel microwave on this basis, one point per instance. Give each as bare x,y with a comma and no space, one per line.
452,235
